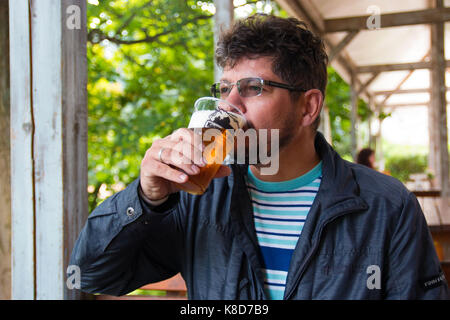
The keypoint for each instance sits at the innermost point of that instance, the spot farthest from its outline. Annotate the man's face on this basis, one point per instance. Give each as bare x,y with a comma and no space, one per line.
274,108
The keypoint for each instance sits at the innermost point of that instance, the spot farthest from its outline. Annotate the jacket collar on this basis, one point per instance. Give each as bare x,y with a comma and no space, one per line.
338,189
338,192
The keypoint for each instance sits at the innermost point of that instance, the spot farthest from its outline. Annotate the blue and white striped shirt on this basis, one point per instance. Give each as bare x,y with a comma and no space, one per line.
280,210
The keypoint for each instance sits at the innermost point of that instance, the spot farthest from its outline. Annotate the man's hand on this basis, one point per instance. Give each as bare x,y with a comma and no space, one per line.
171,160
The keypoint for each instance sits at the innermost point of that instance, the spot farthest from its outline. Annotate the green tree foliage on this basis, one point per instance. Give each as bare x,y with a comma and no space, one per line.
148,62
402,166
337,100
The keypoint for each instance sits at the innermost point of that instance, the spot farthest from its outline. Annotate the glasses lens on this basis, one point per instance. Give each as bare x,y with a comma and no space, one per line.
250,87
224,89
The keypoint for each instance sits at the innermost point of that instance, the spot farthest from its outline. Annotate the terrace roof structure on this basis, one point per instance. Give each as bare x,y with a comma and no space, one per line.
393,54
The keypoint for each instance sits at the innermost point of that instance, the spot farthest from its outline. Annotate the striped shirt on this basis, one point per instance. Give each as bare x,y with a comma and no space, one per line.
280,210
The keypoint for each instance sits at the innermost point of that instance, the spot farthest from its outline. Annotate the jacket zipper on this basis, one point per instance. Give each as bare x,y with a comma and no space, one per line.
314,249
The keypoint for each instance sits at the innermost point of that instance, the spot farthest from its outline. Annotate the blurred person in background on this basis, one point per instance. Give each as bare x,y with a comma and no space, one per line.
366,157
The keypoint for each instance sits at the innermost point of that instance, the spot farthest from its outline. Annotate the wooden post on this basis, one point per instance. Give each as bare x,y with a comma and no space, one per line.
22,177
438,152
354,116
74,121
379,141
222,20
5,179
48,143
369,121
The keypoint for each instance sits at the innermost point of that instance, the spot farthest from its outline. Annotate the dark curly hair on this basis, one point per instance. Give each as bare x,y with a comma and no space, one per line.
299,57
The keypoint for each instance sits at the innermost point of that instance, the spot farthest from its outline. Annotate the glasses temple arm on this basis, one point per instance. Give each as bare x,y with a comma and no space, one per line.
282,85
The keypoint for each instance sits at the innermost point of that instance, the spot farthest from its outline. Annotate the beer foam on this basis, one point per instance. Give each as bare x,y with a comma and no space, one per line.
199,118
207,118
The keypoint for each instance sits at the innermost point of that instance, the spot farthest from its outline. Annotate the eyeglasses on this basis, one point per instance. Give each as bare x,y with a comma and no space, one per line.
248,87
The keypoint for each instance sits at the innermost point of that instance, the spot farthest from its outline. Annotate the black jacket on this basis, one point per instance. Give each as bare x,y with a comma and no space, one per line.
365,237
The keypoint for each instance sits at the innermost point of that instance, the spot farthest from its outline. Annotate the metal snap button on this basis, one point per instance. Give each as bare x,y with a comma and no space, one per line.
130,211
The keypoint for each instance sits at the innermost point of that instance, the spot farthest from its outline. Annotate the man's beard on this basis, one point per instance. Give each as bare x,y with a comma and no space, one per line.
286,135
288,132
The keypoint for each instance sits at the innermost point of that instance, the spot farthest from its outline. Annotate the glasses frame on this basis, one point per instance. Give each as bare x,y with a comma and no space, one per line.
263,82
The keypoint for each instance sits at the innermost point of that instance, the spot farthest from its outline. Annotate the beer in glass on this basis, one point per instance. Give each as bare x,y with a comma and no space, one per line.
215,122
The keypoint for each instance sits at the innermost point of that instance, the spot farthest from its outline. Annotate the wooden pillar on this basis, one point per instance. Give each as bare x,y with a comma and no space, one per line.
48,143
438,152
354,116
222,20
379,142
5,179
369,121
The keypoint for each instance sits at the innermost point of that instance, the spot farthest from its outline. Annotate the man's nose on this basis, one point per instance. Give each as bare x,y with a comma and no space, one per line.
235,99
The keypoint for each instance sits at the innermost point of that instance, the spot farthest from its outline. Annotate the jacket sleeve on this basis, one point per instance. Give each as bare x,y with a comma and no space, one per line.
414,270
126,244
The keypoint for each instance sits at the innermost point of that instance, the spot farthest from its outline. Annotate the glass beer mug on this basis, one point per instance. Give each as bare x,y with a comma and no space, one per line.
216,122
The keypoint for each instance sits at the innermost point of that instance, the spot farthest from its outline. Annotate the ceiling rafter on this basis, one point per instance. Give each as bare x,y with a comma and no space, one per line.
388,20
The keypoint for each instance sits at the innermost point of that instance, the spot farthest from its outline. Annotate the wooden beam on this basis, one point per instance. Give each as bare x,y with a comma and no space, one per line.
297,9
389,20
402,91
341,45
438,152
222,20
368,82
370,118
22,164
74,128
5,158
49,142
399,85
354,116
393,67
310,6
405,91
398,67
407,104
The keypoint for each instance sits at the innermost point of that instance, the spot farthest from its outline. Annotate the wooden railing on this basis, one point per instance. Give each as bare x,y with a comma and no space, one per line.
435,210
431,204
441,238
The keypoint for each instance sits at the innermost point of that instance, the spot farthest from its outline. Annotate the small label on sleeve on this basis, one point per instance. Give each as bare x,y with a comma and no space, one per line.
433,282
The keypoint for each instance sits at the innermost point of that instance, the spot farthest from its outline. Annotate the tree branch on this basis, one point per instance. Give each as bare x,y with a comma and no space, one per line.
131,59
93,202
131,17
248,2
147,39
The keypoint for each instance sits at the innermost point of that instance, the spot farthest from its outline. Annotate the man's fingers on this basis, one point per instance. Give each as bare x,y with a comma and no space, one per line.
189,143
177,159
165,171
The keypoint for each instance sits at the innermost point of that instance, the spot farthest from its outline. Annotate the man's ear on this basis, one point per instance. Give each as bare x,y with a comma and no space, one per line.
313,100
